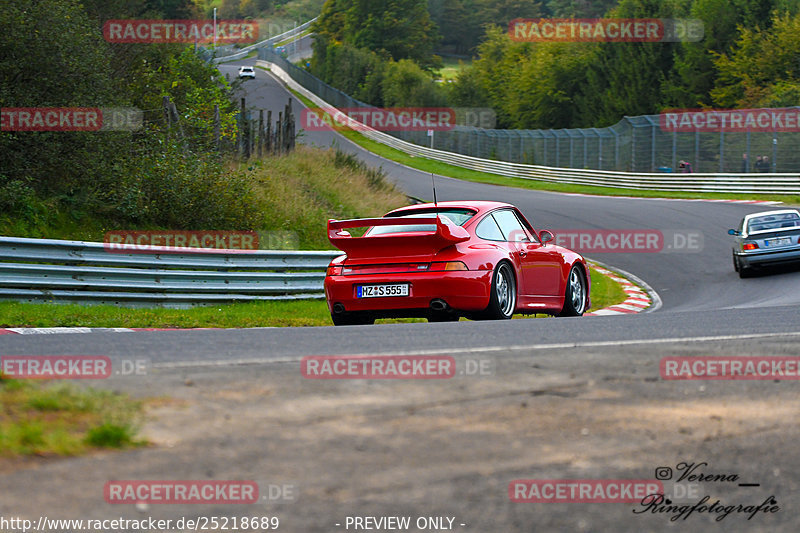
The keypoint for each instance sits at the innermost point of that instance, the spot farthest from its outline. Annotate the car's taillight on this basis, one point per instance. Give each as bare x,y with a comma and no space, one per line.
448,265
334,270
750,246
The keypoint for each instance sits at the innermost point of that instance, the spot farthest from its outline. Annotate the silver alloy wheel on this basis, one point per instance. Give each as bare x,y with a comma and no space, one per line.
506,294
577,291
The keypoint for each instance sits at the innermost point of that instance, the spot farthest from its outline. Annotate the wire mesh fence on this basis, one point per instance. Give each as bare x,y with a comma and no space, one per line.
634,144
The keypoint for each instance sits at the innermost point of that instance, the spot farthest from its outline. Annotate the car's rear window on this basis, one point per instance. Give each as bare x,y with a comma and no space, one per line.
458,217
773,222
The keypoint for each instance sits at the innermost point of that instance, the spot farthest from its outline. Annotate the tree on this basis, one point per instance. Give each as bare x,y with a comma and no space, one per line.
500,58
579,8
695,71
626,78
51,55
401,28
230,9
763,68
462,23
406,85
543,92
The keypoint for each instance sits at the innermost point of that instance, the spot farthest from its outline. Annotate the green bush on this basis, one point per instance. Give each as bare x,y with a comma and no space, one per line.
181,189
110,435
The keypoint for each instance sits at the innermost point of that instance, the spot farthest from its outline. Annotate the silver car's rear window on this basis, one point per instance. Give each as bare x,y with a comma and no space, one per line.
773,222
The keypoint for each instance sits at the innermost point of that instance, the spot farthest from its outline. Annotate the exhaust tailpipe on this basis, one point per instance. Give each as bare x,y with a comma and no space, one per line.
338,308
438,304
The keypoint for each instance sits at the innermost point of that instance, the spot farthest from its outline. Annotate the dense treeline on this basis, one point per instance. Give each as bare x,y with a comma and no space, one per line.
380,54
292,10
385,53
52,54
462,22
747,57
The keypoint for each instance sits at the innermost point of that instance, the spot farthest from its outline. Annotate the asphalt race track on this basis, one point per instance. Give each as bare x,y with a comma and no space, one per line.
561,399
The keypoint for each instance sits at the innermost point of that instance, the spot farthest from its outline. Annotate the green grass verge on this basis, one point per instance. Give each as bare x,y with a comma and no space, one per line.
604,292
44,418
452,67
444,169
239,315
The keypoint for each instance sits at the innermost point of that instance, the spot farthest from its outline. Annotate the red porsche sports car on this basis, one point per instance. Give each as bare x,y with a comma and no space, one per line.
482,260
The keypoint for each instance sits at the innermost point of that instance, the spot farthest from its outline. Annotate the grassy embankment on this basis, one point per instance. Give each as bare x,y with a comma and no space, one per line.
296,193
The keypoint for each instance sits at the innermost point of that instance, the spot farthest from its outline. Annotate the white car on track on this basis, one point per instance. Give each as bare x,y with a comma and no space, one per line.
247,72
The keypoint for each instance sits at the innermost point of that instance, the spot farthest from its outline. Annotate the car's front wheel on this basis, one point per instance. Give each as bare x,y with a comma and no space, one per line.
575,294
503,297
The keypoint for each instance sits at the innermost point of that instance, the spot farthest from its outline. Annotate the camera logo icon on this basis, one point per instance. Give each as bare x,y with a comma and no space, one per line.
663,473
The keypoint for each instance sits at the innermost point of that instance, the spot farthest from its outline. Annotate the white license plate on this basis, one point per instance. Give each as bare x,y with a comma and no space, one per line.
380,291
782,241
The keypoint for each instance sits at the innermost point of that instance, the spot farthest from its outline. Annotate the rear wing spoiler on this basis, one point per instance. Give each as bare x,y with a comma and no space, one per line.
395,244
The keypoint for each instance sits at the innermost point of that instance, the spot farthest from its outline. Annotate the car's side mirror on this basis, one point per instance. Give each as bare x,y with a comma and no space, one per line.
546,236
733,232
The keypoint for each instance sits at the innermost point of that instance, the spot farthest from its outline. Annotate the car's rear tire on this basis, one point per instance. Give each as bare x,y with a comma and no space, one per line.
744,272
352,319
503,297
575,293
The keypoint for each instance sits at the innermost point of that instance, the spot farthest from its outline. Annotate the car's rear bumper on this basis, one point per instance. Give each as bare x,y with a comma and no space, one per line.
462,290
765,258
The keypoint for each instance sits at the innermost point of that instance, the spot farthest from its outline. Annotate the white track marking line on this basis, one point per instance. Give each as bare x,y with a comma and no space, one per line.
461,351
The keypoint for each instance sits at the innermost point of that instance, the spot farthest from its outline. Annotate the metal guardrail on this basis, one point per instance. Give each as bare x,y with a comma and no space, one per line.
49,270
744,183
266,42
